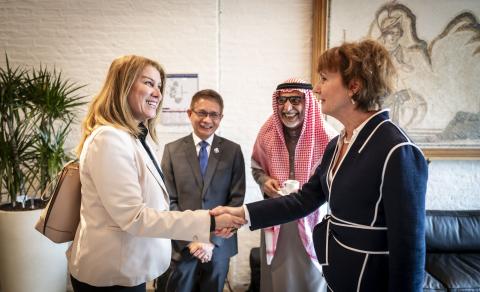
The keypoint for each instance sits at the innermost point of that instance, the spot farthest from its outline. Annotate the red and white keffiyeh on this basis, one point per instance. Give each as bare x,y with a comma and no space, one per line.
271,155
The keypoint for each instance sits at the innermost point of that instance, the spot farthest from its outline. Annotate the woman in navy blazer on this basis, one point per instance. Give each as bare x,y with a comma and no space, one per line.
372,176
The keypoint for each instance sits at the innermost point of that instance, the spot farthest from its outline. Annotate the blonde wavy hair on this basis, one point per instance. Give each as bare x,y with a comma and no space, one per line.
110,106
369,63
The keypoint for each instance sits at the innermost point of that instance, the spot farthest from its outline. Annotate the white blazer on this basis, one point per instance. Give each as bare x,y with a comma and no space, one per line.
124,233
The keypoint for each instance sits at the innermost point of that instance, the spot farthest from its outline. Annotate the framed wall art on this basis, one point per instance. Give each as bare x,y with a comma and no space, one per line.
435,45
179,89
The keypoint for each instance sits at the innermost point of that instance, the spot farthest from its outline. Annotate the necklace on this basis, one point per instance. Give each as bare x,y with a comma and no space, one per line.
345,141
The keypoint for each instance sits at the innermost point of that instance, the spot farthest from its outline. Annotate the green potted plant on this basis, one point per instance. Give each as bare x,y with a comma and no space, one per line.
16,137
55,102
37,108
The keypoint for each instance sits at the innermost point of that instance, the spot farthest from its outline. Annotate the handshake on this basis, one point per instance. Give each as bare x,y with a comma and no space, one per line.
228,220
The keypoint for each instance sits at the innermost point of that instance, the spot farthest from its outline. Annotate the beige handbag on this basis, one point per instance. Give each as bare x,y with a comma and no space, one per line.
59,220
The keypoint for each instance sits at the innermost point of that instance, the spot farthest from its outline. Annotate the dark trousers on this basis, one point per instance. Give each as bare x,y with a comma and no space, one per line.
84,287
190,275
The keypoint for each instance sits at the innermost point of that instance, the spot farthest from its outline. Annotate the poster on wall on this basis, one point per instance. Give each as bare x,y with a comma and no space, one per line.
435,45
179,89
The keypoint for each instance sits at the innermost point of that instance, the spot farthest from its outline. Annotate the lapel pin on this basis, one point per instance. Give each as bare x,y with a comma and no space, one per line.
216,150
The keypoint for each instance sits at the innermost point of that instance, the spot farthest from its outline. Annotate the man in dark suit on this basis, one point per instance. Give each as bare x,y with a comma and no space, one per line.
202,171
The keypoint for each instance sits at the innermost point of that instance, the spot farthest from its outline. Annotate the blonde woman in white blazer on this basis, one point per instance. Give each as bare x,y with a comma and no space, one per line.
123,239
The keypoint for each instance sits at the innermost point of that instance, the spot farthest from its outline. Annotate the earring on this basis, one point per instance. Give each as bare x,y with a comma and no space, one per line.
351,95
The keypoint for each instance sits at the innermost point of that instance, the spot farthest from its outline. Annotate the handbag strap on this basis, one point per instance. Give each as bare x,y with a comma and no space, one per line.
57,180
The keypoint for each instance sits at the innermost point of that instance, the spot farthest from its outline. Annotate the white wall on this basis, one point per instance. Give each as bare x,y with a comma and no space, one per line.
243,48
82,37
261,44
454,185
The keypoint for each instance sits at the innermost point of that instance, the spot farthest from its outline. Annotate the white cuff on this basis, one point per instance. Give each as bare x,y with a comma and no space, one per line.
247,215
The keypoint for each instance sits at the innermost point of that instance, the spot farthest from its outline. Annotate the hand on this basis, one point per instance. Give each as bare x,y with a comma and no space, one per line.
228,217
225,232
202,251
271,187
237,212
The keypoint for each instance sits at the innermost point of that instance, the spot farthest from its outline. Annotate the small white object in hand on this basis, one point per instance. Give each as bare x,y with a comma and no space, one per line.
289,186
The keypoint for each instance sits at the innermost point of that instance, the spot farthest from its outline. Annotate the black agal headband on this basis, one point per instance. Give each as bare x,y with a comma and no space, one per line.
307,86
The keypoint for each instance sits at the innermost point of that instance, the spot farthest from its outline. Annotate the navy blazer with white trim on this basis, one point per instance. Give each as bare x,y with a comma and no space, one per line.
382,183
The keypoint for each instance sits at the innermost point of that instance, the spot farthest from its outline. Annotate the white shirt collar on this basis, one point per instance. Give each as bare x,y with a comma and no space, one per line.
197,140
359,128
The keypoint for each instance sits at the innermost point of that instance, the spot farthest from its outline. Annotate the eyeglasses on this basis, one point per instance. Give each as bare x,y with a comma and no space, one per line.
204,114
294,100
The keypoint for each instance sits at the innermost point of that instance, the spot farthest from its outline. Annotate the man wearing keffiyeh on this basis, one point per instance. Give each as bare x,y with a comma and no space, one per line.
289,146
